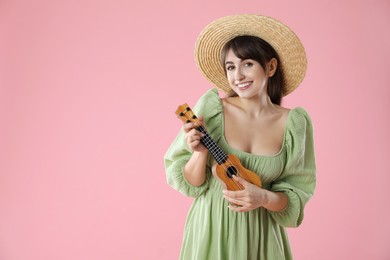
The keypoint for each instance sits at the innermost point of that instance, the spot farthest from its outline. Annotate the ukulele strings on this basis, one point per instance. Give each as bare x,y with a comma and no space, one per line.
208,140
237,184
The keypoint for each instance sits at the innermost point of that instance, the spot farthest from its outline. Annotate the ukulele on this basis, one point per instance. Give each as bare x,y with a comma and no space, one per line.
228,165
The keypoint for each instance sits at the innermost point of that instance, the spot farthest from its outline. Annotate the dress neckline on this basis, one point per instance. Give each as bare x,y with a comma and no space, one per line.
237,151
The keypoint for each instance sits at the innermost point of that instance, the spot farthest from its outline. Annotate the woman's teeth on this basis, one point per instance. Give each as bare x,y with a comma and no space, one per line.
243,85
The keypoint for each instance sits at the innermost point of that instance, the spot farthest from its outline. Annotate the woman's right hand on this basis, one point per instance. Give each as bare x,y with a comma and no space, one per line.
193,136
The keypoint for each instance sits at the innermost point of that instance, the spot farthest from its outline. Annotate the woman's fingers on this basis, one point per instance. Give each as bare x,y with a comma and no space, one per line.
235,201
235,194
239,209
201,120
188,127
238,205
193,136
193,140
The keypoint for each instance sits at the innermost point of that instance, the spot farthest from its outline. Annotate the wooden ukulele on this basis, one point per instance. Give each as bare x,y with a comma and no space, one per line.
228,164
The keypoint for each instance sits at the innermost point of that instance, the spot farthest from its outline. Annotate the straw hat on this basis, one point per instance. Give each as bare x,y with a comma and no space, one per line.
211,40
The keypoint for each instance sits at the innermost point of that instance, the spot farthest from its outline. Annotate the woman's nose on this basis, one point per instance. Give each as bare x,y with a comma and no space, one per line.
239,75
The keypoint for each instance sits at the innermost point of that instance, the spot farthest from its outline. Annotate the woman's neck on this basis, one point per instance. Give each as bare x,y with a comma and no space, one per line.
257,105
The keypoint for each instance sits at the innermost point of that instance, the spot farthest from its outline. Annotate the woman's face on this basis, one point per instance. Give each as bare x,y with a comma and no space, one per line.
246,77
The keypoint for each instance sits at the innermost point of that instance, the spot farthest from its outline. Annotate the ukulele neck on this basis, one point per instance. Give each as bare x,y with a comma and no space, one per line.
212,146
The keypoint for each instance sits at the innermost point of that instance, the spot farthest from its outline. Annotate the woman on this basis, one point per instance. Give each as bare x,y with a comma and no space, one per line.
256,60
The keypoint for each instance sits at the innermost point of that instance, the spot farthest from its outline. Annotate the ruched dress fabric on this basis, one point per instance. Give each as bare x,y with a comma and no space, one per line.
213,231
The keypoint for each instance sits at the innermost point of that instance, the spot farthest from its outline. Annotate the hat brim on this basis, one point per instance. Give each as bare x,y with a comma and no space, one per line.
212,39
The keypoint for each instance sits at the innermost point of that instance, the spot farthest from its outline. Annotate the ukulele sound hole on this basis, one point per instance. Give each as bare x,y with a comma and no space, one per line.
231,170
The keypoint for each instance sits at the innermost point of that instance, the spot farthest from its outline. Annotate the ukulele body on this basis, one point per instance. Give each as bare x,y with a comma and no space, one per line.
233,166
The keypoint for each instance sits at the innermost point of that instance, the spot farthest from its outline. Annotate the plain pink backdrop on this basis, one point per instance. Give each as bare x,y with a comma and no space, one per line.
88,91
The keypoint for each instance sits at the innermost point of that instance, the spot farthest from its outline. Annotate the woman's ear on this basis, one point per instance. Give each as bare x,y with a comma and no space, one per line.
272,65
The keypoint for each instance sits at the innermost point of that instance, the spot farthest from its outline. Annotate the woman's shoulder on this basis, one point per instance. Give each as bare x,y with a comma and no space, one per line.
299,115
299,122
210,107
210,100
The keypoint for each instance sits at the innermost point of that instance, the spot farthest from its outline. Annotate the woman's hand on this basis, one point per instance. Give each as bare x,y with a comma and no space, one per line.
250,198
193,136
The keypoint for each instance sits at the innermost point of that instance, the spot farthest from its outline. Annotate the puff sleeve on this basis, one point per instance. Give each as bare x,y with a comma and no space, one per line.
298,178
178,153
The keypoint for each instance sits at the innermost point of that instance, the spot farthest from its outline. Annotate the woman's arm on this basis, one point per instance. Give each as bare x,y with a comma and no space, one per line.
195,169
253,197
277,201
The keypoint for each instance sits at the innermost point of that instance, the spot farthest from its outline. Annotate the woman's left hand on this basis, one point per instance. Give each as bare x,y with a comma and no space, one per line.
251,197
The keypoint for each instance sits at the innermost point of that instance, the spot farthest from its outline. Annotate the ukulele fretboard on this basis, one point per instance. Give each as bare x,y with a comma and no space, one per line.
211,145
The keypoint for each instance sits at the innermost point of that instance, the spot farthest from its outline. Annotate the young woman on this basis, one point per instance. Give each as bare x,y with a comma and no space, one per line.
256,60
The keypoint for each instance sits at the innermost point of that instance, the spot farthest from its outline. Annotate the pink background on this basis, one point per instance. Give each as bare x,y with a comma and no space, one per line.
88,91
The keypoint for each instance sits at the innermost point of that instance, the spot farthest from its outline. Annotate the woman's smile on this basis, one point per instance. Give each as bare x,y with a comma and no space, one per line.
244,85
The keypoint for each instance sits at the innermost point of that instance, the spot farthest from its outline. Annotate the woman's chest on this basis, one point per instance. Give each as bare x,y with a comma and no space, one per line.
256,136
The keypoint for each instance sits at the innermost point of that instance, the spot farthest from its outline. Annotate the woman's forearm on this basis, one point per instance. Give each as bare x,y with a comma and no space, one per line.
195,169
277,201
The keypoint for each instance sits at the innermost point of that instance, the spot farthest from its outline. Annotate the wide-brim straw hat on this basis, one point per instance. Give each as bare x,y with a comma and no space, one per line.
208,47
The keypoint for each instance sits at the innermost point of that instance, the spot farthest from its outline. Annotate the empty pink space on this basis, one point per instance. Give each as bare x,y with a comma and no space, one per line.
88,91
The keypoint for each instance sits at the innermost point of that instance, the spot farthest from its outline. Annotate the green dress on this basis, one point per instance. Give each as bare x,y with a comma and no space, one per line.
212,230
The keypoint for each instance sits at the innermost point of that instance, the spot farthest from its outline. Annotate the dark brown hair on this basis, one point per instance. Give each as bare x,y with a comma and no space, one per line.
254,48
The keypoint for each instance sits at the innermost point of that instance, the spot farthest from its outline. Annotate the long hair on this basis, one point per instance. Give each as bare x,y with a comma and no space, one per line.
254,48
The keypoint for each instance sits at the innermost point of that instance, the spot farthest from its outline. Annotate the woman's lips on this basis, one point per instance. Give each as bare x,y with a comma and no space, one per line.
243,86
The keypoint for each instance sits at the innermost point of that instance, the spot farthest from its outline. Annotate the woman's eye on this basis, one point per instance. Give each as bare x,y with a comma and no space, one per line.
249,64
229,67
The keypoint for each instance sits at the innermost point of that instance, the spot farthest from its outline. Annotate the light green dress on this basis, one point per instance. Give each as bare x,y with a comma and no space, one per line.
212,230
